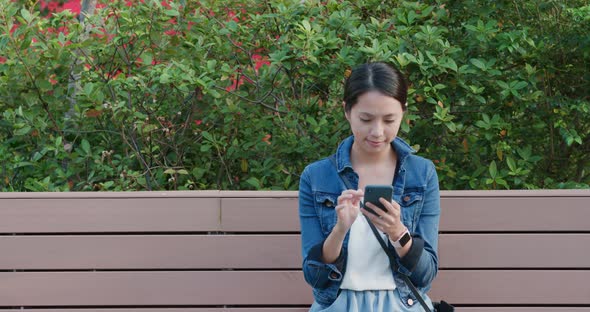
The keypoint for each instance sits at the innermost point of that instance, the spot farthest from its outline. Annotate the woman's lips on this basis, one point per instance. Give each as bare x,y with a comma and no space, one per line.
374,143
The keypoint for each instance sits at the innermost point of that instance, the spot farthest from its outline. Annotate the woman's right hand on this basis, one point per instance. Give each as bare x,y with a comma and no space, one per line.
348,209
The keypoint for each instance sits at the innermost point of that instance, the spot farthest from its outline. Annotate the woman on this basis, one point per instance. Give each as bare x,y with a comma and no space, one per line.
343,261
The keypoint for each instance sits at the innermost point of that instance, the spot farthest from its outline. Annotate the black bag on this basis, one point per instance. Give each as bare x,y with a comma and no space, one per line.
441,306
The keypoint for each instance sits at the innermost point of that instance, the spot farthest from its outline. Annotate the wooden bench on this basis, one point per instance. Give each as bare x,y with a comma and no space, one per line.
239,251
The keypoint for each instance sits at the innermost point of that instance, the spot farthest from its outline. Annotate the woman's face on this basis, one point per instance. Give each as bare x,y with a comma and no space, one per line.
375,120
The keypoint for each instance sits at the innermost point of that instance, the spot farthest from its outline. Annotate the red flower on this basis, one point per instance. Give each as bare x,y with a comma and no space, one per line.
198,122
259,61
2,60
171,32
52,80
232,16
190,24
14,27
235,84
72,5
52,6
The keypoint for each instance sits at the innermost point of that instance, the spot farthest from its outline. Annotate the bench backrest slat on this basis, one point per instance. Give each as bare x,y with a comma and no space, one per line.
281,251
83,215
480,212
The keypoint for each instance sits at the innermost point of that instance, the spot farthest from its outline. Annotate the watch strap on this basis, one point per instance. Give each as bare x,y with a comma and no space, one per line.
402,240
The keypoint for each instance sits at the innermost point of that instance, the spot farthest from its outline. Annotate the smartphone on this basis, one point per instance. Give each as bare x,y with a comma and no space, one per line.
374,192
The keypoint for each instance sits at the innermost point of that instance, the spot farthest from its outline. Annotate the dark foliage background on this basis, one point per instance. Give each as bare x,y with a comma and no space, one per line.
157,95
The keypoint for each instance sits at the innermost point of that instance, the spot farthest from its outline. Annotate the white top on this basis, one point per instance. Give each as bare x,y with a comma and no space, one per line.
367,265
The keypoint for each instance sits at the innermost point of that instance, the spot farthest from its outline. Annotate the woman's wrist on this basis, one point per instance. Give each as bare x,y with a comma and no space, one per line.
339,230
398,234
333,244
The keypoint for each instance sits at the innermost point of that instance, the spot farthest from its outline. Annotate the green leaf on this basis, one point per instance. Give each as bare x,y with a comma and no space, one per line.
493,170
502,84
88,87
519,85
254,182
147,59
26,15
37,156
23,164
511,163
451,126
165,78
450,63
287,182
171,12
502,182
207,136
306,25
479,64
85,146
23,131
482,124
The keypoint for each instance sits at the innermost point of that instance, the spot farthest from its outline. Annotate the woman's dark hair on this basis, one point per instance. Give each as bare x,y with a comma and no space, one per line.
378,76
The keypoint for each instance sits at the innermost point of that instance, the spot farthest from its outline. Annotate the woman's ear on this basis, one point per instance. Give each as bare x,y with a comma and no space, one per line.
346,114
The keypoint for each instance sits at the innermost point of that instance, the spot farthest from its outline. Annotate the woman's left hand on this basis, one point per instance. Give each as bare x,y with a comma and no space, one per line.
389,221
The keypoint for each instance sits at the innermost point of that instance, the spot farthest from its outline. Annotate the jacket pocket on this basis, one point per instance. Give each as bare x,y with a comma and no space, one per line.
325,204
411,204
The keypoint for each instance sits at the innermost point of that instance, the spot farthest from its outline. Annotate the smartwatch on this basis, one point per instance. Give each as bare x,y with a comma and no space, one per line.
402,240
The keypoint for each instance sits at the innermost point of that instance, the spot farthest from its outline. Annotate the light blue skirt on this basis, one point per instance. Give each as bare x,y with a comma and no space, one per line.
366,301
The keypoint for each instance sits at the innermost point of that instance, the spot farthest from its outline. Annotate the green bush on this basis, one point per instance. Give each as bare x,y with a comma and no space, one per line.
199,95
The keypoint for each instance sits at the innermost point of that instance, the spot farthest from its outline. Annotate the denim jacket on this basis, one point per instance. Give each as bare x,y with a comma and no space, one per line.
415,189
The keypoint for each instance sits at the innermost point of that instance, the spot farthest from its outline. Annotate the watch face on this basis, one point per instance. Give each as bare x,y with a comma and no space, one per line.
404,239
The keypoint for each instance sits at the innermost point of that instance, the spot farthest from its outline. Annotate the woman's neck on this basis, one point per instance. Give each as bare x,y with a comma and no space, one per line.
360,158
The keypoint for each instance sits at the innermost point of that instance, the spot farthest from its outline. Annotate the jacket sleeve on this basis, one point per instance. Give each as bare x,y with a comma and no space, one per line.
421,261
317,273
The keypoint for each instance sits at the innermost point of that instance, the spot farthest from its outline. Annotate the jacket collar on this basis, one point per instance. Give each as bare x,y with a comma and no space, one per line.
400,146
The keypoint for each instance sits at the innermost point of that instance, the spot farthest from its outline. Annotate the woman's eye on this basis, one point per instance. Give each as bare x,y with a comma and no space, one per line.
365,120
390,121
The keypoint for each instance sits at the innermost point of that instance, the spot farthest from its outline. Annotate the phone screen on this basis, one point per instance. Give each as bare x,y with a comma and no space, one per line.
374,192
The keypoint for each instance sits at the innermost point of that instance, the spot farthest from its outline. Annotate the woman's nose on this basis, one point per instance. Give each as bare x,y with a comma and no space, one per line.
377,130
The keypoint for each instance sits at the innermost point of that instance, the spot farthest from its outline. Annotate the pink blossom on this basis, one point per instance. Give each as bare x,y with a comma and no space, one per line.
235,84
72,5
259,61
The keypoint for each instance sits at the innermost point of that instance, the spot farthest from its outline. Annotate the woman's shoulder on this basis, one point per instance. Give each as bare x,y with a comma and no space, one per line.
417,165
419,160
318,166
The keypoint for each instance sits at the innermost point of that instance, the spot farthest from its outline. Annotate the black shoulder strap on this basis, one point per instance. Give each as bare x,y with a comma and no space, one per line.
390,253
